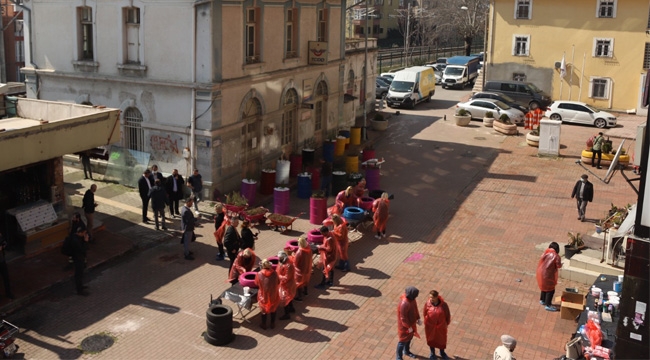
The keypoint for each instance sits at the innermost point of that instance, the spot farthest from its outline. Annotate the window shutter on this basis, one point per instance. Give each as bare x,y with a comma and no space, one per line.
614,9
528,46
610,50
514,45
516,9
530,10
591,87
593,50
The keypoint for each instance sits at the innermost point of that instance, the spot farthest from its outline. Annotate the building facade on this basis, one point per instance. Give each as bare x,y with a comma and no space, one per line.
382,16
13,39
595,51
226,87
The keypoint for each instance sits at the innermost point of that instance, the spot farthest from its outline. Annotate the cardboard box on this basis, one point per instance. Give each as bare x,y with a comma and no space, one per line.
572,305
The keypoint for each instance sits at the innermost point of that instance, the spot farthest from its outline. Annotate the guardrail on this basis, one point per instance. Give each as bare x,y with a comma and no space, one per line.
391,59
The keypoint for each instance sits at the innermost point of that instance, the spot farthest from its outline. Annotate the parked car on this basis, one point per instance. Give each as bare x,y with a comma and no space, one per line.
437,73
388,75
501,97
460,71
580,113
387,79
524,93
441,60
382,88
478,107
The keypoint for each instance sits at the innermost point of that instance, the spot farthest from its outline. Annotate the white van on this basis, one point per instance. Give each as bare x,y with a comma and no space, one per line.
411,86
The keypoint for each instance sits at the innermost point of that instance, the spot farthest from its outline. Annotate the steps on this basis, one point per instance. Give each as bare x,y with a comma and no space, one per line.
586,267
478,84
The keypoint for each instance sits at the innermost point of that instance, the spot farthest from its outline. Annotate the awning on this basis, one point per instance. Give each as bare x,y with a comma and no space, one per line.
628,224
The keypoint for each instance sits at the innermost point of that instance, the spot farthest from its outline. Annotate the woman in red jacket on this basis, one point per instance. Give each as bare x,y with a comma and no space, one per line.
244,262
327,252
436,319
547,274
286,272
268,293
340,234
380,214
303,262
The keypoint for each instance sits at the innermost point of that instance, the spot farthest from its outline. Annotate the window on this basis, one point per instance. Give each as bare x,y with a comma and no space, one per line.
523,9
132,27
603,47
289,115
86,46
518,77
291,33
133,133
20,51
646,56
606,9
252,36
320,108
18,28
599,88
521,45
375,29
322,25
350,89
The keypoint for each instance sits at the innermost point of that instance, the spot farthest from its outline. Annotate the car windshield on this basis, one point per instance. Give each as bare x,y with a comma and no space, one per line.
401,86
382,82
507,98
453,71
502,105
534,88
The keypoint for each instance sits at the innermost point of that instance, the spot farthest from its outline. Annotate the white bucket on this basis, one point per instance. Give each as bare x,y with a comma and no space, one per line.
595,291
620,278
247,290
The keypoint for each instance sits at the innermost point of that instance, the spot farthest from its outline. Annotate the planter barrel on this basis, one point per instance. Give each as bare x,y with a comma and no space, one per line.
462,120
281,200
355,135
532,140
248,190
339,147
315,178
296,165
328,151
268,182
339,181
317,210
282,170
488,122
379,125
308,157
368,154
506,129
304,185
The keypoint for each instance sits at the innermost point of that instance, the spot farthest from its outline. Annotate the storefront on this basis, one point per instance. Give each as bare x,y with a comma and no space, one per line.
33,214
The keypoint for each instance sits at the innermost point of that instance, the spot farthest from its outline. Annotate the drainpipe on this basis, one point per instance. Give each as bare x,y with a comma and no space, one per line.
611,90
193,97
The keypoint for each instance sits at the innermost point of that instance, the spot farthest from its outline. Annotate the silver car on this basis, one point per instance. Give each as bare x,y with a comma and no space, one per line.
478,107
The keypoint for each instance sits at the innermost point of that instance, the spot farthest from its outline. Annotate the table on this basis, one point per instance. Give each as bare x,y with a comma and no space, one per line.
236,294
608,328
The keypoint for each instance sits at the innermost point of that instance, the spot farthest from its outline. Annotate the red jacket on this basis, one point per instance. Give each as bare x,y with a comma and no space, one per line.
303,263
287,272
268,293
547,270
436,320
407,317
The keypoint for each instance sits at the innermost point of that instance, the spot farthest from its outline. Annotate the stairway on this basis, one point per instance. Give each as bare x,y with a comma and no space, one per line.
478,84
585,267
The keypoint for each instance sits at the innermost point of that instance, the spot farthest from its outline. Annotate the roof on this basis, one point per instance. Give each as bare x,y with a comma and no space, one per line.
460,60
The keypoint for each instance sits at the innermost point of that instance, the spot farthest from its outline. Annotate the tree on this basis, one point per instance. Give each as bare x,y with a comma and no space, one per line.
463,17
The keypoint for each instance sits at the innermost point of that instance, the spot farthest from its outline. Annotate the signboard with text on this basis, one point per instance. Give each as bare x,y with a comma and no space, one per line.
317,53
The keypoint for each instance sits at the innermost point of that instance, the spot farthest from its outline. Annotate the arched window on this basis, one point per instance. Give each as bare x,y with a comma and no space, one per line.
250,137
320,110
290,104
133,133
350,89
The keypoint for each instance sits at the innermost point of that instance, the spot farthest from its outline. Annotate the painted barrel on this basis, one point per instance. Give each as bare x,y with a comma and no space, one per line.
282,171
328,151
315,178
274,260
366,203
248,190
355,135
281,200
317,210
248,279
354,178
339,147
353,213
339,181
308,157
368,154
351,164
296,165
344,133
314,236
372,179
304,185
292,245
268,182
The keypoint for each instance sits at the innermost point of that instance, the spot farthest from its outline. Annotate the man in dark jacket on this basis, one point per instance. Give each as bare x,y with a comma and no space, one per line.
157,175
187,226
232,240
89,205
79,240
583,192
174,187
144,185
158,198
4,272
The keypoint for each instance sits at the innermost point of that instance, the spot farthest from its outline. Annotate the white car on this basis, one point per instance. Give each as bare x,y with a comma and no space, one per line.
580,113
478,107
388,75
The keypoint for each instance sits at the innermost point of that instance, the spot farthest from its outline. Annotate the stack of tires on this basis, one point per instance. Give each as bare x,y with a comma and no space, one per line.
219,321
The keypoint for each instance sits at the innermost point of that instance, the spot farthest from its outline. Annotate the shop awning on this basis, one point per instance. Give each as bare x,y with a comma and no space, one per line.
45,130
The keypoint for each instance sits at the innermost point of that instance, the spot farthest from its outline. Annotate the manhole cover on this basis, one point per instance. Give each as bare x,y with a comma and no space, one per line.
97,343
479,137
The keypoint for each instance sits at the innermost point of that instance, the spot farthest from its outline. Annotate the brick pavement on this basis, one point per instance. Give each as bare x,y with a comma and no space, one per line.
469,220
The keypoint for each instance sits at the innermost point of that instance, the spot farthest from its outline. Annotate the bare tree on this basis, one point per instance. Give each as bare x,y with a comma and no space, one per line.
463,17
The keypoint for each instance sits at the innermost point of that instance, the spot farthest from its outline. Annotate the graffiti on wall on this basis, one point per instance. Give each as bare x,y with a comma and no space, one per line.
166,148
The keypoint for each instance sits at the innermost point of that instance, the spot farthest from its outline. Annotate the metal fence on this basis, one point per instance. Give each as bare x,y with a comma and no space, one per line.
392,59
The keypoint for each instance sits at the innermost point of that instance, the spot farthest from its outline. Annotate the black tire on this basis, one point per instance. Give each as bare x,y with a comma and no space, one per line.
218,342
412,104
429,98
533,105
600,123
219,334
219,314
556,117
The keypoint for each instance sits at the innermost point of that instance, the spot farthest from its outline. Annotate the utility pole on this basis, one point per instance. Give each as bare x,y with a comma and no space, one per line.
406,36
365,77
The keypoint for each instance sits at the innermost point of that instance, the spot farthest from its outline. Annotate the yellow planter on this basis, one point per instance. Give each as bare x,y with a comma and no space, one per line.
607,158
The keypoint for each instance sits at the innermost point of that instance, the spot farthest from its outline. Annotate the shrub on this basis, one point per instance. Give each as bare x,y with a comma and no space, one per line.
379,117
462,112
504,118
489,114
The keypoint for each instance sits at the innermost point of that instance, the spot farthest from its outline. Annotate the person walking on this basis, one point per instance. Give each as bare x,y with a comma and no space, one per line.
247,236
243,263
408,317
79,241
436,320
195,183
547,274
158,197
220,225
327,252
304,264
75,224
145,183
268,293
287,274
88,204
597,149
174,187
504,351
232,240
380,214
4,271
340,234
326,177
187,226
84,157
583,192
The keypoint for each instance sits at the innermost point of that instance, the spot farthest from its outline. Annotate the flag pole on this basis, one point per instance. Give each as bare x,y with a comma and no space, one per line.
582,75
561,77
573,56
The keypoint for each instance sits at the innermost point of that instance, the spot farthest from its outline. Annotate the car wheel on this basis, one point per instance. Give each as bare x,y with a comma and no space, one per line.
556,117
600,123
429,98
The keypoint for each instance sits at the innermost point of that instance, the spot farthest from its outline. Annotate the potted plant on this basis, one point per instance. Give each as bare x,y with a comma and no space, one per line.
504,126
574,245
317,207
532,138
462,117
488,119
379,123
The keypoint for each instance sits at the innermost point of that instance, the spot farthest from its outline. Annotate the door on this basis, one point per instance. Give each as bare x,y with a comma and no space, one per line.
582,115
132,44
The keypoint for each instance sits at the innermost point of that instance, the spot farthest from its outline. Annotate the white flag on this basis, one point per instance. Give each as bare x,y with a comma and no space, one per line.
563,67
